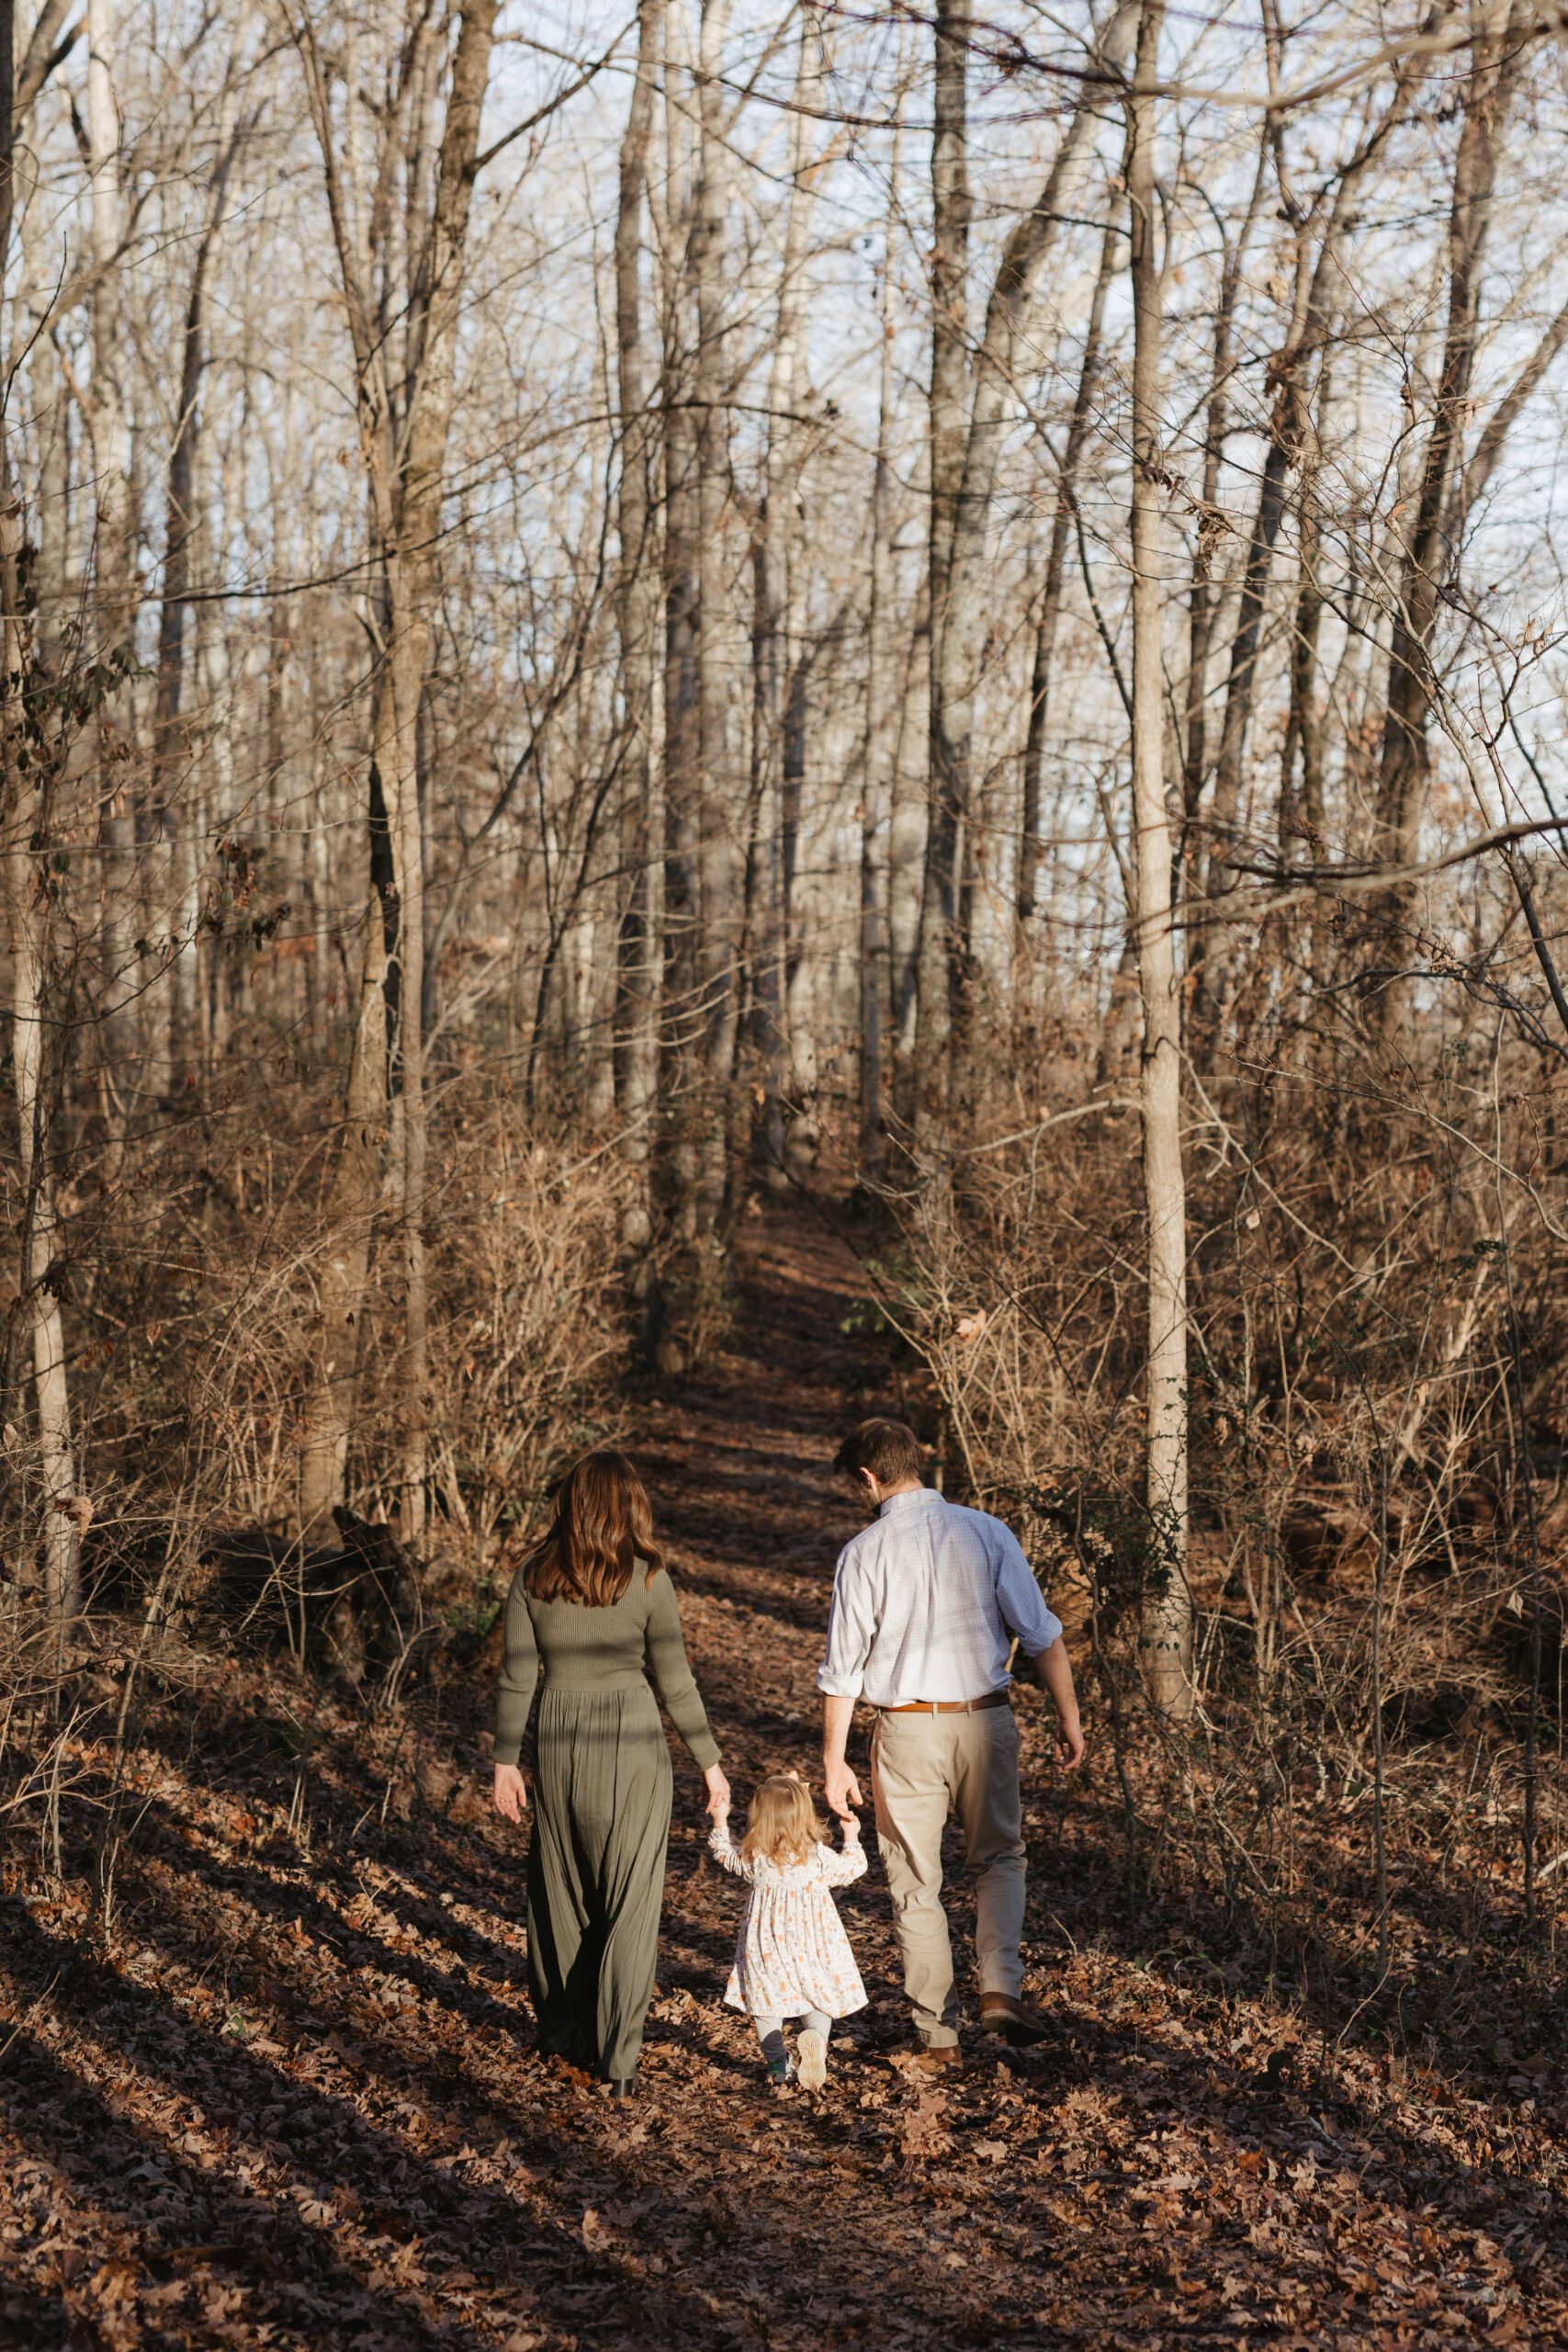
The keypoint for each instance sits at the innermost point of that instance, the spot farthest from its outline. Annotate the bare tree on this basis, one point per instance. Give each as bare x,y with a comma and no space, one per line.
28,768
880,751
1167,1611
405,425
719,869
969,427
113,556
1427,555
641,943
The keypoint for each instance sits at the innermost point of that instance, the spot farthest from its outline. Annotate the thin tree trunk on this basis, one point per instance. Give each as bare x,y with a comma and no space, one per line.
720,870
906,851
1056,569
1204,602
881,699
1285,429
684,1080
170,734
1315,292
27,892
966,456
405,474
350,1215
25,816
640,946
113,567
1168,1607
1302,810
951,210
766,901
1489,89
781,650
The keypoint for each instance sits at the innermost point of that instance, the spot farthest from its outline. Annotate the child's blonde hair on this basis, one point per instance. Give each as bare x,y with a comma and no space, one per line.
782,1823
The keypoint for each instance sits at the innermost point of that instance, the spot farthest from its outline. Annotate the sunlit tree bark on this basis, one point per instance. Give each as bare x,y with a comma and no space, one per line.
405,427
1167,1608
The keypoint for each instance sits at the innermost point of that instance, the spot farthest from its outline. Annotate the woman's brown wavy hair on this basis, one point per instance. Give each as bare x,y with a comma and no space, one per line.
603,1526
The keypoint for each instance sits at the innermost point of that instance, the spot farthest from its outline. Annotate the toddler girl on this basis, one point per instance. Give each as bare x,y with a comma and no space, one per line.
793,1958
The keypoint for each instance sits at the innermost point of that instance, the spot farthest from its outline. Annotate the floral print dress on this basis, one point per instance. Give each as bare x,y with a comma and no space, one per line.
791,1953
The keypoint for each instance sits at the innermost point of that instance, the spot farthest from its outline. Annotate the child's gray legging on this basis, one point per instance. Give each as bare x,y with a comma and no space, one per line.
770,2031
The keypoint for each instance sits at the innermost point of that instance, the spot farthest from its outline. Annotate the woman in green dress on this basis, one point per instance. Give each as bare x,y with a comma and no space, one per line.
594,1610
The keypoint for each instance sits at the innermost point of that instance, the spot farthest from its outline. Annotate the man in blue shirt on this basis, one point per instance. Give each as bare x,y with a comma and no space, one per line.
927,1603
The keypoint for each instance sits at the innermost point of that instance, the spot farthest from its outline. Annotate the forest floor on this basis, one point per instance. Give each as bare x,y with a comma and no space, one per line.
291,2095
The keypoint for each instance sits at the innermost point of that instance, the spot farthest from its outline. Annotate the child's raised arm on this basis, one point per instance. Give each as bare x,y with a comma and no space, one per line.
842,1869
724,1853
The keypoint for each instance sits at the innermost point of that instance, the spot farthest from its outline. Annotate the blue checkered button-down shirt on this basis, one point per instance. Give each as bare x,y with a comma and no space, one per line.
925,1601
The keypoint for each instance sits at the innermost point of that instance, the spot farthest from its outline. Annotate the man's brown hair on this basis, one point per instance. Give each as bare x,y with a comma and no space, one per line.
889,1450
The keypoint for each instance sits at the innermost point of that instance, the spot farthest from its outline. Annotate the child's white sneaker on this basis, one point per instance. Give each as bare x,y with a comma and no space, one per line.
811,2061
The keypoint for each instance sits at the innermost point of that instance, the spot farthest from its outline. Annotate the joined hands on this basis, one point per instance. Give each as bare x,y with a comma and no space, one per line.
841,1791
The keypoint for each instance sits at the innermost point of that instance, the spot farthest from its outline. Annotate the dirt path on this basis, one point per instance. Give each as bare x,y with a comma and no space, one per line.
299,2106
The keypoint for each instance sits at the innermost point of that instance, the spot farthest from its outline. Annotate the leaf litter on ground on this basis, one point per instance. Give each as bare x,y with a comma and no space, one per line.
291,2095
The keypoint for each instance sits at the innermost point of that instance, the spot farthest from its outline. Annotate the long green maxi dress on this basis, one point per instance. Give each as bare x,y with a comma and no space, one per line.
602,1788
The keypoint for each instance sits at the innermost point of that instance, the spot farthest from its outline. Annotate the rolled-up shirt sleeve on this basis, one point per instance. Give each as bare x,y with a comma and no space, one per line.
1020,1598
851,1629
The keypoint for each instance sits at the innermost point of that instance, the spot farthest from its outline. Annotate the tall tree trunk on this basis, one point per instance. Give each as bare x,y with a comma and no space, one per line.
640,943
721,798
906,852
418,563
216,686
1204,600
113,568
28,893
353,1203
882,705
1302,812
25,777
951,210
171,819
1284,441
406,471
1056,569
966,463
1315,294
767,925
780,651
684,1078
1496,64
1168,1607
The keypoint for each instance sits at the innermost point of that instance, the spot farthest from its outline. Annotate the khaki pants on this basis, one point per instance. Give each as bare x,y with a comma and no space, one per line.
924,1768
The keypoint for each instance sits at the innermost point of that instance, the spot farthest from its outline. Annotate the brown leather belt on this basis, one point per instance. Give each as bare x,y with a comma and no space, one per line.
948,1706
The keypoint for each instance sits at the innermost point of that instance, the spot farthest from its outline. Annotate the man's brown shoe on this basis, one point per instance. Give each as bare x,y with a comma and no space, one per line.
1000,2013
930,2058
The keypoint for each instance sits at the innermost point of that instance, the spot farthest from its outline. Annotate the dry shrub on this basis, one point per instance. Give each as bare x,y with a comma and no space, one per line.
530,1336
1367,1305
193,1311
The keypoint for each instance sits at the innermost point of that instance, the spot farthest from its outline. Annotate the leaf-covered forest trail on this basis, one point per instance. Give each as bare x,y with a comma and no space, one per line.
292,2098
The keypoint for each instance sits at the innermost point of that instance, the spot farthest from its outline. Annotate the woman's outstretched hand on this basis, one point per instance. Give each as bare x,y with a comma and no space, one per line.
511,1793
719,1791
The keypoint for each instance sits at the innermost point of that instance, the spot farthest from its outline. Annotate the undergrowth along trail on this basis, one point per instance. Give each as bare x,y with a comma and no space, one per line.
294,2101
